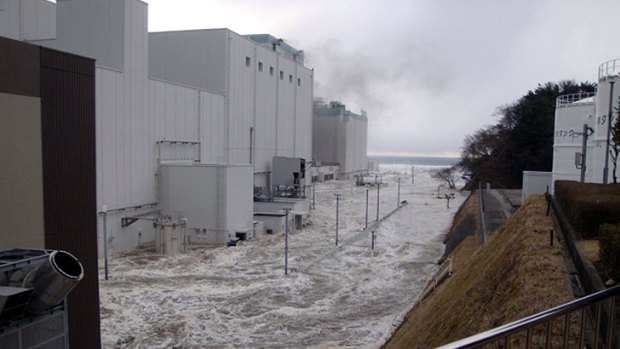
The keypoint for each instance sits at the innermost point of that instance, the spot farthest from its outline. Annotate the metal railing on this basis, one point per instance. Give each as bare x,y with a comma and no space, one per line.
445,270
573,99
566,326
484,234
609,69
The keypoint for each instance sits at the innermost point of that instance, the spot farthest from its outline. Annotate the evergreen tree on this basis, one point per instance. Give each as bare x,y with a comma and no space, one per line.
521,140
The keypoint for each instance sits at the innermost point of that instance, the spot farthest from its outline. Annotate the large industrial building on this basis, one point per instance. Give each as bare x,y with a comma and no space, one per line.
227,99
340,137
207,127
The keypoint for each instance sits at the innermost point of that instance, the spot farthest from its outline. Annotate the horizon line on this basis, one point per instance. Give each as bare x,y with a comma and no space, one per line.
415,154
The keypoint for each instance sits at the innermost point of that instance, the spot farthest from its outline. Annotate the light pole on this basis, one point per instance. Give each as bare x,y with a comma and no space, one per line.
373,239
609,119
412,174
398,196
286,241
378,186
314,196
337,209
366,224
104,212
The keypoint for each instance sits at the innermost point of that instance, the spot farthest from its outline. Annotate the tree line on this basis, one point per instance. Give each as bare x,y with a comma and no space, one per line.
520,140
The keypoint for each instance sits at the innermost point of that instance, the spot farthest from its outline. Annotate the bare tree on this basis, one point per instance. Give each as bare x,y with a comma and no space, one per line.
447,174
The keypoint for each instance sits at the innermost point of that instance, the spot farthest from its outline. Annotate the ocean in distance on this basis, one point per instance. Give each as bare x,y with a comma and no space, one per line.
414,160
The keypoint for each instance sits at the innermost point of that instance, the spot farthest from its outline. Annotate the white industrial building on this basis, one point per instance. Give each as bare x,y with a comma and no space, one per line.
575,115
268,106
189,97
340,137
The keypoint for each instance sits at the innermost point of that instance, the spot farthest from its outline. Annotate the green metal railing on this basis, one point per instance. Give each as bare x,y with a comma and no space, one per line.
572,325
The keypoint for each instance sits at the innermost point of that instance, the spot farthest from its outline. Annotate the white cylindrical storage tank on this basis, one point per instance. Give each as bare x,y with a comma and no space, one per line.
572,111
607,74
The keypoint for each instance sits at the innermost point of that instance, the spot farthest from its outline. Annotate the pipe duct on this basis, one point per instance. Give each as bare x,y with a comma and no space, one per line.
54,279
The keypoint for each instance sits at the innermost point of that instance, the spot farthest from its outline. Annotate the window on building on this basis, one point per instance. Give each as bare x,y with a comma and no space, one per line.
248,61
271,71
298,82
281,75
260,66
290,78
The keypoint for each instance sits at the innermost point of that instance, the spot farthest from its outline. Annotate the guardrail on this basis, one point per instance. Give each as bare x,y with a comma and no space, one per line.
484,234
609,69
574,99
445,270
565,326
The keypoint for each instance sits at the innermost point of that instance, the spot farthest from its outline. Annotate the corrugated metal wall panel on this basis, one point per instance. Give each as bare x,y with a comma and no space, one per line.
174,111
303,113
202,63
265,126
109,104
241,97
91,29
212,124
69,175
10,19
286,108
38,20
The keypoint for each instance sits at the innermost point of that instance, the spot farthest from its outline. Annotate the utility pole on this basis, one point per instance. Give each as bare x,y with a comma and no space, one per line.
337,212
609,120
104,212
587,131
366,224
378,186
398,196
373,239
314,196
286,241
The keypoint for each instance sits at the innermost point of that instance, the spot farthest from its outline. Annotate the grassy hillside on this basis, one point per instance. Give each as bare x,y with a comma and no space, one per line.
516,274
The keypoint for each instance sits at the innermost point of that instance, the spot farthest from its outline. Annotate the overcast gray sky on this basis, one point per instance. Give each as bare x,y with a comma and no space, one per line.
428,72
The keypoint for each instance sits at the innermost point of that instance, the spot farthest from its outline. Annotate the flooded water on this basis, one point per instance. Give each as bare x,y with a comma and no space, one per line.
351,297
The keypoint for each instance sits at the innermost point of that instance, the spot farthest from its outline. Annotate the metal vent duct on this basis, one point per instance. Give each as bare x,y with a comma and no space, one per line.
54,280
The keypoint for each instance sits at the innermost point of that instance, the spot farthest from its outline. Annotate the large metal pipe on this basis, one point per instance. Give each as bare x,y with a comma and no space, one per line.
54,280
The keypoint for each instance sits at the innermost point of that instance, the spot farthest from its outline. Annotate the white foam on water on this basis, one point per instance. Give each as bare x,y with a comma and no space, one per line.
239,296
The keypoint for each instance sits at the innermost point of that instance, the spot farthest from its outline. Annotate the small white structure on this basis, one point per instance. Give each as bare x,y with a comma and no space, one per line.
324,171
298,214
216,200
274,222
288,177
535,182
170,236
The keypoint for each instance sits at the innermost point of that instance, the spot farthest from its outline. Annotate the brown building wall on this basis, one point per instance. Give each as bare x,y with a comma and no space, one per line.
65,84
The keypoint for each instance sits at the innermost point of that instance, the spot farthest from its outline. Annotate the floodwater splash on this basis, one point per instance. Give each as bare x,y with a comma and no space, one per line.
239,296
